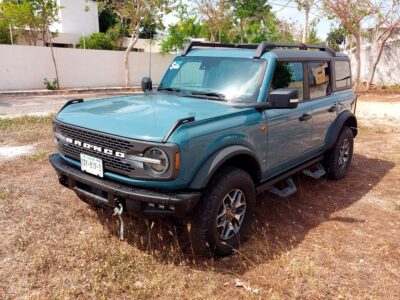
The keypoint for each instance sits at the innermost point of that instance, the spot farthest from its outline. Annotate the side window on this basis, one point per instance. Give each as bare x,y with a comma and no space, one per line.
318,79
343,75
288,75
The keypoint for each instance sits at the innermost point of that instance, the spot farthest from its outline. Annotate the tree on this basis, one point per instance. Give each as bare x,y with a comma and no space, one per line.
387,21
217,15
312,37
5,32
351,14
182,32
336,37
21,16
136,13
305,5
247,12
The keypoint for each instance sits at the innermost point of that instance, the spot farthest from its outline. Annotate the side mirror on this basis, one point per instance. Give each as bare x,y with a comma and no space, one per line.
284,98
147,84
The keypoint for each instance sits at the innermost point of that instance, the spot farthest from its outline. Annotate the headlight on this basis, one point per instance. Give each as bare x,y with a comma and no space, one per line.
157,163
57,136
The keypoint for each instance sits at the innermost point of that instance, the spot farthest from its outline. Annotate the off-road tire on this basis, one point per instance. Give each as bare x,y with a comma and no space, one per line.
334,170
204,236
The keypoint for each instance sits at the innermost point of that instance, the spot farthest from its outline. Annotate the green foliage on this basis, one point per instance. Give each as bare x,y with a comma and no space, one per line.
282,76
312,38
37,15
336,37
243,21
100,41
4,32
52,86
179,34
107,20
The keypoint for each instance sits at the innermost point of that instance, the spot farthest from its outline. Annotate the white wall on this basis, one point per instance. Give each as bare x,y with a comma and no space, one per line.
25,67
78,17
388,69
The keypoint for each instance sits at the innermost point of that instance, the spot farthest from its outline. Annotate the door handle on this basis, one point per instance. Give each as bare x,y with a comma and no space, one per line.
305,117
333,108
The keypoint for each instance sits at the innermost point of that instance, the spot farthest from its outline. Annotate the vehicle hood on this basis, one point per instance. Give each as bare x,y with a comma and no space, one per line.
146,117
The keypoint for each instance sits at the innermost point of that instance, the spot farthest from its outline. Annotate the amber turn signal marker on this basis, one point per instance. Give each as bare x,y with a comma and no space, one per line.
177,161
263,128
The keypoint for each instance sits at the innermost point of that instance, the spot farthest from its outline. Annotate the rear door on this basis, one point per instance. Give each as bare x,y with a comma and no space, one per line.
289,130
324,102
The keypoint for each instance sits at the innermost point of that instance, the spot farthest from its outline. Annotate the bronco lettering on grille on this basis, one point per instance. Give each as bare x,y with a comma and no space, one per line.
95,148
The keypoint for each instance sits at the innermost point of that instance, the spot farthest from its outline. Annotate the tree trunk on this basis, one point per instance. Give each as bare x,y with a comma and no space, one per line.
376,60
132,43
241,30
54,61
305,25
358,60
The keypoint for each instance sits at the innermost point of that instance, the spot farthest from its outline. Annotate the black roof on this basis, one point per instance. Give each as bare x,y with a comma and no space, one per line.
289,54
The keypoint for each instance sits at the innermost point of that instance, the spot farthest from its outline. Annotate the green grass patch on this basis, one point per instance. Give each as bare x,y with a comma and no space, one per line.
38,156
25,121
5,194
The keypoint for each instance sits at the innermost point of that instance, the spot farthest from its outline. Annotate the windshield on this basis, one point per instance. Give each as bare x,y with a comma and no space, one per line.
219,78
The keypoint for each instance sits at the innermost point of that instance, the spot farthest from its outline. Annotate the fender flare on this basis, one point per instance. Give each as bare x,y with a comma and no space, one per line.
215,161
344,117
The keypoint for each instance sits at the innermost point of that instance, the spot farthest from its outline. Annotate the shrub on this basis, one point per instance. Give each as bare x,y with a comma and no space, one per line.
99,41
50,85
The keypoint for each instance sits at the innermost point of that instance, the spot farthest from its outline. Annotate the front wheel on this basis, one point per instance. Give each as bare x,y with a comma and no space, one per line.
338,159
222,219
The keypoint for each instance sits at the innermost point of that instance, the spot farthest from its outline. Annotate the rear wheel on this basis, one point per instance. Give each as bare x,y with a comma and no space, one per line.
338,159
222,219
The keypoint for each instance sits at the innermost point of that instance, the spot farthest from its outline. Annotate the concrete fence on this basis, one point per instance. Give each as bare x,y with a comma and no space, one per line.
25,67
388,69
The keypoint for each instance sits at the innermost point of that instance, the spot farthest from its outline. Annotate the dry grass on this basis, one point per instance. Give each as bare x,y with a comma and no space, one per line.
331,240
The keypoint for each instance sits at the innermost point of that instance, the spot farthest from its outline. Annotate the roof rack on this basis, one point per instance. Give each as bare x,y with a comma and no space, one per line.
260,48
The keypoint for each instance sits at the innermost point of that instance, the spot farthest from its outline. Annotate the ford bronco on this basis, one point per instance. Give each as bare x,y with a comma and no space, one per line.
226,122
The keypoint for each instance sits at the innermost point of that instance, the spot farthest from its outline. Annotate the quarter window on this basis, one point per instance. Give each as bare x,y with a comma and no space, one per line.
343,75
318,79
288,75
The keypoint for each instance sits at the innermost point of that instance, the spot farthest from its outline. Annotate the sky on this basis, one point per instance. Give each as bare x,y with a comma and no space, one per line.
288,10
285,9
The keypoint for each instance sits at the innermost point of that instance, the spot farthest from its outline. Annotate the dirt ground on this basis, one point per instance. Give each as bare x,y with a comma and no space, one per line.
331,240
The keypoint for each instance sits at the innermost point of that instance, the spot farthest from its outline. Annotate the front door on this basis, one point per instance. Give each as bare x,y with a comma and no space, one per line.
289,130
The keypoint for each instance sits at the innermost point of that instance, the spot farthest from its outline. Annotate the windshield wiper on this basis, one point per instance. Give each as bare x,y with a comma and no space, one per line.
169,89
210,94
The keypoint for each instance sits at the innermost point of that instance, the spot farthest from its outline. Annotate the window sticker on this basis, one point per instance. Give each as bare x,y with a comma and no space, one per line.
175,65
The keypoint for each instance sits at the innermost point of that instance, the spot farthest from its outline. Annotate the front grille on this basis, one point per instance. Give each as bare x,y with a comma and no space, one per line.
111,163
95,138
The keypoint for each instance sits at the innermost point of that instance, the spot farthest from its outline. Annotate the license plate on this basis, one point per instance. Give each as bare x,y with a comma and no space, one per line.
91,165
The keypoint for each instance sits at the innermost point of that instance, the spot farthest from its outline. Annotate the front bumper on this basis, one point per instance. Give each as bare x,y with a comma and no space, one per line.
136,201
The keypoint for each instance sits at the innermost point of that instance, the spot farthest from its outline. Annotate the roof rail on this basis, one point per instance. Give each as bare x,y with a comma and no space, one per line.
264,46
191,45
260,48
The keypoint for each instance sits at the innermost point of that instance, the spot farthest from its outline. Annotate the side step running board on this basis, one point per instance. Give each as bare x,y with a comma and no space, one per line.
316,171
286,191
265,186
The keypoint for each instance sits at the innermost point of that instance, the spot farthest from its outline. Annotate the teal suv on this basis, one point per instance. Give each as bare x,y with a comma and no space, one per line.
226,122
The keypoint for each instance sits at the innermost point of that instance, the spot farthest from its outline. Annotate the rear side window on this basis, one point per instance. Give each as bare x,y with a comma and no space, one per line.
343,75
288,75
318,79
